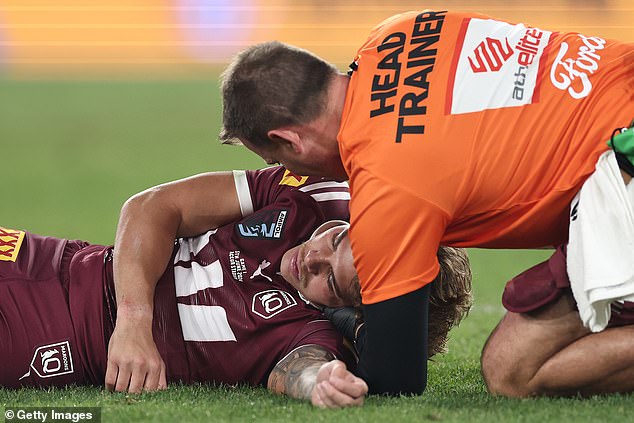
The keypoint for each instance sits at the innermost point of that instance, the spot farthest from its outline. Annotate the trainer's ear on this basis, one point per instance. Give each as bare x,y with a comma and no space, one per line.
286,138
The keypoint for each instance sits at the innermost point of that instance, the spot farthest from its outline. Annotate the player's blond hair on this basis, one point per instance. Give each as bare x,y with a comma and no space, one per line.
450,298
449,301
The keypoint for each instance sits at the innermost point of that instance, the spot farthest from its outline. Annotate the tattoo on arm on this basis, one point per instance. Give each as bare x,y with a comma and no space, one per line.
296,374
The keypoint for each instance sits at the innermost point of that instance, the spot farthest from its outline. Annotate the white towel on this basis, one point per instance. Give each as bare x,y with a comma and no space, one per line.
600,259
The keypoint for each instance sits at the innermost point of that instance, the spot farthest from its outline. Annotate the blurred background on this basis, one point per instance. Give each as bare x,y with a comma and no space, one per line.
100,99
153,38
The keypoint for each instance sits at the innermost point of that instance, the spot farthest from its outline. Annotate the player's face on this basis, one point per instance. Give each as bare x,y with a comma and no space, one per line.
322,268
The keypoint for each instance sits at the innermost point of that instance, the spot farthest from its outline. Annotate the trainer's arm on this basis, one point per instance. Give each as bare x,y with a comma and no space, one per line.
393,344
311,372
149,223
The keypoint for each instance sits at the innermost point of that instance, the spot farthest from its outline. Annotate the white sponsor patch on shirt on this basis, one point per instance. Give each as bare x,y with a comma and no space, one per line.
496,65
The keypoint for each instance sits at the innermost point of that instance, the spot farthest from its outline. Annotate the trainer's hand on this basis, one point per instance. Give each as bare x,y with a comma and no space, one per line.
134,363
349,322
337,387
346,319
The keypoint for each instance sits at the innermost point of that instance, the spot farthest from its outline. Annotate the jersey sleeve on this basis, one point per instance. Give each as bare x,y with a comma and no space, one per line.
394,236
542,284
257,189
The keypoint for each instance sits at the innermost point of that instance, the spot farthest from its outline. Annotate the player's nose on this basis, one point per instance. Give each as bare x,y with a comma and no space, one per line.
314,260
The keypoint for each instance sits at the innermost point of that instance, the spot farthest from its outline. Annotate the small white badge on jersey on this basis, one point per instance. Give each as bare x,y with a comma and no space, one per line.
51,360
267,304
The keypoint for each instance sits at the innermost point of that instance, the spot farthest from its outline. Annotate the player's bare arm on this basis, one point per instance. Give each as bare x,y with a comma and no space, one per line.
296,374
311,372
148,225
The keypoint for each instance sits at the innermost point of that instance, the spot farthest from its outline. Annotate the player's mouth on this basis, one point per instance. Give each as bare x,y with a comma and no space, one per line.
297,266
293,265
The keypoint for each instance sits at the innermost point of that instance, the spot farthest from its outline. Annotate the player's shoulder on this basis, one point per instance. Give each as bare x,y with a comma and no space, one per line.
274,181
280,176
278,186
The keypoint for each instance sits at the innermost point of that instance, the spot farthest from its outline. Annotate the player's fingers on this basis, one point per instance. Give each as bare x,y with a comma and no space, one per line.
154,368
155,378
111,375
316,400
354,387
152,378
137,379
354,396
123,379
357,402
162,378
334,398
341,373
345,381
324,395
338,369
325,371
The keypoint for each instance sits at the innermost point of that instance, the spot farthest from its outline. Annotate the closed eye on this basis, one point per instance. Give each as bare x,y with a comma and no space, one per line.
332,283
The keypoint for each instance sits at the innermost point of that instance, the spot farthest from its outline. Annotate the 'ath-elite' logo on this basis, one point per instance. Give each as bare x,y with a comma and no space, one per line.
496,65
490,55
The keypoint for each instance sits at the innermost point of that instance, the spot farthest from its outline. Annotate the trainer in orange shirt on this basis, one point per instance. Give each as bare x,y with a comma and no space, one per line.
453,129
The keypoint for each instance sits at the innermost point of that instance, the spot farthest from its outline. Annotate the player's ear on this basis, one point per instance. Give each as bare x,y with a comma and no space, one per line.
286,138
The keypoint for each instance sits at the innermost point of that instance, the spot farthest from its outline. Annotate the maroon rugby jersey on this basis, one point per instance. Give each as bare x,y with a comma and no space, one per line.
222,312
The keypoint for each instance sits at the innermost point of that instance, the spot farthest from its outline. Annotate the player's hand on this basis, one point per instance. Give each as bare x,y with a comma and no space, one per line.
134,363
337,387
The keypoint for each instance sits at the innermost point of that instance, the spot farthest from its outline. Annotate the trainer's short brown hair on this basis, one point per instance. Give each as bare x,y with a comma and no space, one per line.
271,85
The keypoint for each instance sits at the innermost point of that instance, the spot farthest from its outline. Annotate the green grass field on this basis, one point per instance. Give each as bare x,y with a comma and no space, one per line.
72,152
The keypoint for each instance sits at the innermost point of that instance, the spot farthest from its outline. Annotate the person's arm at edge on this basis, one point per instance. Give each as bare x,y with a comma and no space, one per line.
313,373
149,223
392,344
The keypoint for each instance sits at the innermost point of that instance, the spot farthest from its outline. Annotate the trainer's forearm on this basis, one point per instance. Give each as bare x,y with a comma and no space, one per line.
393,353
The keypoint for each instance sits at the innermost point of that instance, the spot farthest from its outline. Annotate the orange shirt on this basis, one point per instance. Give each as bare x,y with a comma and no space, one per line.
467,131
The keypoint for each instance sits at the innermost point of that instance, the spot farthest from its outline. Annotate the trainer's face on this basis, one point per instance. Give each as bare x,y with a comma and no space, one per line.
322,268
305,161
310,148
